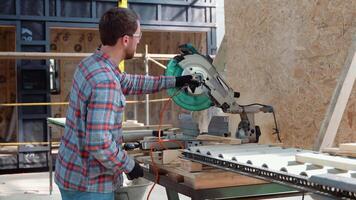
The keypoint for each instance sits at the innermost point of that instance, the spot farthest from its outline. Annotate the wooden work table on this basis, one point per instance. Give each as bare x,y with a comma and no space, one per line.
204,182
207,183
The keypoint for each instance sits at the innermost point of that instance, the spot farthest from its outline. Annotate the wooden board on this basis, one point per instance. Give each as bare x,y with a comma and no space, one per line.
338,152
8,81
190,166
348,147
205,179
170,155
325,160
216,178
224,140
338,102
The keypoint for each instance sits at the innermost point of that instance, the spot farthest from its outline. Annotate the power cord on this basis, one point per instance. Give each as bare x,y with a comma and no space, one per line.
161,141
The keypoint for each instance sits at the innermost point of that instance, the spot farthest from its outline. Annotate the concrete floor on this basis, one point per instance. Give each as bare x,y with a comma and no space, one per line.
35,186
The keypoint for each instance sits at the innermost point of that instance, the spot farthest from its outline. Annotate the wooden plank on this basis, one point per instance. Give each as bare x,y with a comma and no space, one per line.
225,140
170,155
326,160
211,178
5,144
208,178
216,178
348,147
69,56
9,150
332,150
8,84
346,153
338,152
338,102
191,166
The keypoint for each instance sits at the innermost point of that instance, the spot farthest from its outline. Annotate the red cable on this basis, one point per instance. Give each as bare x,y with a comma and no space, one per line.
161,142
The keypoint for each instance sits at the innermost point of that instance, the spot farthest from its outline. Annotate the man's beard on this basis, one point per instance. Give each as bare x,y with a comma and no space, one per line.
129,54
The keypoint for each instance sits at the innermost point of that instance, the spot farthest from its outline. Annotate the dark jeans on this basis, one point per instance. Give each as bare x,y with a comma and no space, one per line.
77,195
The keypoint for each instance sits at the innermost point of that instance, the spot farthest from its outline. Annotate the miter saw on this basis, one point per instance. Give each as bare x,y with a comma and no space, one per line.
213,92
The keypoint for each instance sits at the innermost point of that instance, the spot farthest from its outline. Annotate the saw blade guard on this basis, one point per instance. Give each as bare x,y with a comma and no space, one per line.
193,101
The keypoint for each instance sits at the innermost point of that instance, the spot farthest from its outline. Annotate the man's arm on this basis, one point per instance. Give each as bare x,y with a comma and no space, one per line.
140,84
103,109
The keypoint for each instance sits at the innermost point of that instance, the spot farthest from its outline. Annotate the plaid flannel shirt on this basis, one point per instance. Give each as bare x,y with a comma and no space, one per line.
90,156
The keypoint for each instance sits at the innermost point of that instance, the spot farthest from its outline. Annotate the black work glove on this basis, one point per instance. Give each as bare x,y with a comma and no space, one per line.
155,133
187,80
136,172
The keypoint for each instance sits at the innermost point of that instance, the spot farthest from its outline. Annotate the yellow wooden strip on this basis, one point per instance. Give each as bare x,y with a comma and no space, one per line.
68,56
26,143
66,103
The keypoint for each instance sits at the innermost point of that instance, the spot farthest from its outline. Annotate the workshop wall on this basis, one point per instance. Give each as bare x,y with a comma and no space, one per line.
75,41
8,115
289,54
81,40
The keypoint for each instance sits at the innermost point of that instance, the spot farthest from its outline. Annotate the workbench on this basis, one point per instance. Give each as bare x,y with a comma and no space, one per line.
130,134
211,183
242,188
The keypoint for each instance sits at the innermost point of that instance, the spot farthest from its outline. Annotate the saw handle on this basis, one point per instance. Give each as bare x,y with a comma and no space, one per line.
131,146
187,80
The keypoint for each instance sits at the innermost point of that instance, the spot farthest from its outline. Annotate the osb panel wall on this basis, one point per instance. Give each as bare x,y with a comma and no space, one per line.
69,40
289,54
7,85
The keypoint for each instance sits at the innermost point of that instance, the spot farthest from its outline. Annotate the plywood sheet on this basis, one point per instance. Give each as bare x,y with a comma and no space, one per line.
8,119
289,54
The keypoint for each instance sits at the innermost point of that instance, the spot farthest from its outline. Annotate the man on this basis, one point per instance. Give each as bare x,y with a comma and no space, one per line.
91,160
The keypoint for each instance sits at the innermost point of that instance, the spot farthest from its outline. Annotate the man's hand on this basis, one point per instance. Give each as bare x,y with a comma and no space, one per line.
187,81
136,172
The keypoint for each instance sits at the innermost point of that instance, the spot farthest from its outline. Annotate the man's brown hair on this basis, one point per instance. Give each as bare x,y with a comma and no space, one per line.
116,23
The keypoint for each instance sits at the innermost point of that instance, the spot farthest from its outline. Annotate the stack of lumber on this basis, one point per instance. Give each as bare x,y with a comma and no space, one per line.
195,175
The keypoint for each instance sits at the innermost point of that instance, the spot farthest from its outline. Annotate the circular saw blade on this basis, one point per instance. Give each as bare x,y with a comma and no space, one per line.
184,98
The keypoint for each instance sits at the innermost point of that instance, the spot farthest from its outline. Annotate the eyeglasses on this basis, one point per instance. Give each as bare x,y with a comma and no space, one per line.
137,35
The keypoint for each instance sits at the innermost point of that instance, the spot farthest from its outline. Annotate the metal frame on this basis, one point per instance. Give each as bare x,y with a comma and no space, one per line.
157,24
294,181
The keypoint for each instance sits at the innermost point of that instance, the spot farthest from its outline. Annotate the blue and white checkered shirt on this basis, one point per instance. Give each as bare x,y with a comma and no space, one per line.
90,156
